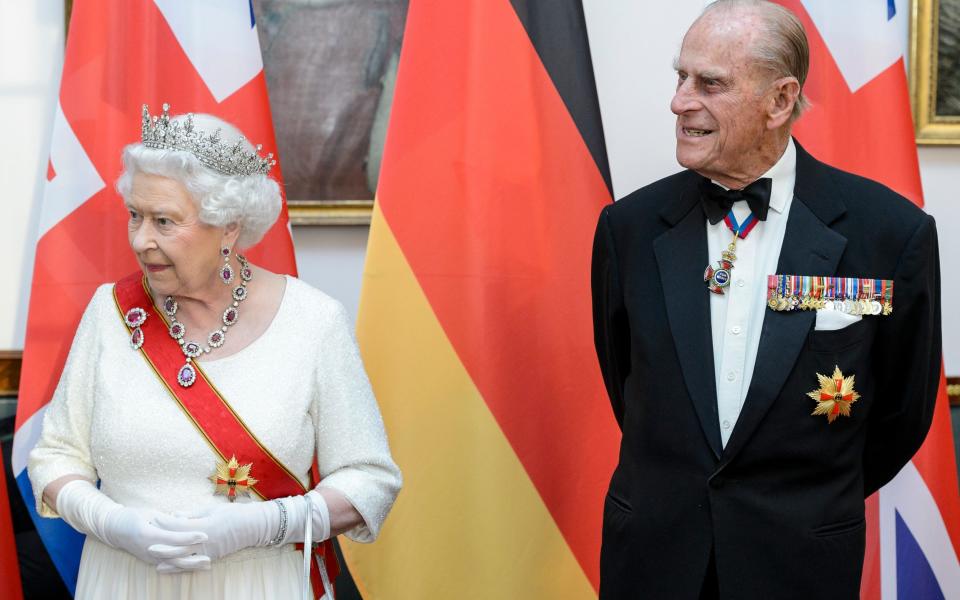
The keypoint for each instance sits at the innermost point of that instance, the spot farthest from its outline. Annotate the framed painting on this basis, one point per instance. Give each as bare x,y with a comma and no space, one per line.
330,68
935,70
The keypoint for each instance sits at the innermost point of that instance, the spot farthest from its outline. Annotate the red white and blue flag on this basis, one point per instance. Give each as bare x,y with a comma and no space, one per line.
9,569
860,122
201,57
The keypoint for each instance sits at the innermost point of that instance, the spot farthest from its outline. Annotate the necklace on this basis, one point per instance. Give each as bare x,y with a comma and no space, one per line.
717,276
178,331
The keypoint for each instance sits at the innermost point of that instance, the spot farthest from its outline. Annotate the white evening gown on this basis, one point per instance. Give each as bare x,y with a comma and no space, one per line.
300,388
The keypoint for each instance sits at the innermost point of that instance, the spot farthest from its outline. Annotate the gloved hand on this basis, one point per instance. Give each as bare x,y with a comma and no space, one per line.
90,511
227,527
235,526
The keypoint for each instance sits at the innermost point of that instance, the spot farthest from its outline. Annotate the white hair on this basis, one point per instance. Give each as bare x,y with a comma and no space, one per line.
251,201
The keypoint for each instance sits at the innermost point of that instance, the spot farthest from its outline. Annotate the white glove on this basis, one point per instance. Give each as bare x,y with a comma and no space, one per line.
297,518
235,526
228,527
90,511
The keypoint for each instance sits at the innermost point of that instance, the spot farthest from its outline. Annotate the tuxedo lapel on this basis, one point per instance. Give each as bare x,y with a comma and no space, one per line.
681,254
810,247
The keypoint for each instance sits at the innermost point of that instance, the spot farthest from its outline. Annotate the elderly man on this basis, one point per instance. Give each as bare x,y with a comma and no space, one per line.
768,328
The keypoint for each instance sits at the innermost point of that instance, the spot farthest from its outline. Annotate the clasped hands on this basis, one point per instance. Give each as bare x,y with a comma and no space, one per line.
190,541
185,541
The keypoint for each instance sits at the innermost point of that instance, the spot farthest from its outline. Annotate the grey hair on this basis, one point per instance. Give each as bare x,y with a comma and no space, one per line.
253,201
782,47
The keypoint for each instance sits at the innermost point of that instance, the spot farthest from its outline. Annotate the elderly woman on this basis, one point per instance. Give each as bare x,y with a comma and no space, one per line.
200,391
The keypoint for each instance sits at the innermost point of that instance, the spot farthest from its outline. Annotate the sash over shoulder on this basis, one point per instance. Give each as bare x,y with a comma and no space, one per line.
223,429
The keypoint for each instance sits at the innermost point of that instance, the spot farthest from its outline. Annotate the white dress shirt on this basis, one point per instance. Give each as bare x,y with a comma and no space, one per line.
736,317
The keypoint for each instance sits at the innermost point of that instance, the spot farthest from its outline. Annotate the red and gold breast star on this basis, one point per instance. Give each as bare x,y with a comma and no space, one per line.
835,395
232,478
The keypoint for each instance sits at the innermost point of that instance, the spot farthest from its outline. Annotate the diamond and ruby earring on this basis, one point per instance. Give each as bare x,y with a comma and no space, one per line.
226,271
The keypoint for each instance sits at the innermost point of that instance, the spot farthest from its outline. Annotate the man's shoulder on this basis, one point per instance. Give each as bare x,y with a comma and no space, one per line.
872,203
648,201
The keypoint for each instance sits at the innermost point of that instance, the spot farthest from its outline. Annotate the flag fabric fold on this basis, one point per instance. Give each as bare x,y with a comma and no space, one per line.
200,57
475,321
860,121
9,568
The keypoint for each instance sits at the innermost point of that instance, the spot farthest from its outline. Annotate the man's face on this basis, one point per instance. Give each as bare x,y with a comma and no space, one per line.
720,100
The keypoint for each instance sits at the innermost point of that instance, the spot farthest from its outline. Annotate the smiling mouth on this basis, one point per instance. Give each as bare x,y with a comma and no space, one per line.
696,132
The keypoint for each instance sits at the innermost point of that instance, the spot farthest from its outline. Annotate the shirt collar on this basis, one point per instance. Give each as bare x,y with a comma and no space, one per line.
783,175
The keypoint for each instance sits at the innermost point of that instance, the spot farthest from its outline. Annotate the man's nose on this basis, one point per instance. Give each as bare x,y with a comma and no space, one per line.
684,100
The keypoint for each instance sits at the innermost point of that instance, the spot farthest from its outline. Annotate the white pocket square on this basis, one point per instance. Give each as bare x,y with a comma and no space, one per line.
831,320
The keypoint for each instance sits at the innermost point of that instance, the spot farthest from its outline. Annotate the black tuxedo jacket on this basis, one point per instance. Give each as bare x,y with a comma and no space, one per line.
782,505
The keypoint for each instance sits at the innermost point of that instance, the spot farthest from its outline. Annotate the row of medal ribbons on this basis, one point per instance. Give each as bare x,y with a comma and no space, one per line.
851,295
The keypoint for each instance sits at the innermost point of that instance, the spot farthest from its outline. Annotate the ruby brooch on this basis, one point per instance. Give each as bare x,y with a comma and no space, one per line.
134,318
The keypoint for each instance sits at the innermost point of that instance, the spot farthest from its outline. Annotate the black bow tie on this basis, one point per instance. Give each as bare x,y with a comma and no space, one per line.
718,201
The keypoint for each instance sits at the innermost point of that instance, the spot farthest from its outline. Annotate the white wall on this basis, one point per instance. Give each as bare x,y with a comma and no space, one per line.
31,51
331,258
633,48
940,172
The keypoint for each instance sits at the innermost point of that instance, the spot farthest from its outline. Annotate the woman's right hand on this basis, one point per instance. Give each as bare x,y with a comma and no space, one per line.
133,530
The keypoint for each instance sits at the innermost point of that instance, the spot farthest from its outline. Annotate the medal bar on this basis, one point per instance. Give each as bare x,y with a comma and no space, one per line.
850,295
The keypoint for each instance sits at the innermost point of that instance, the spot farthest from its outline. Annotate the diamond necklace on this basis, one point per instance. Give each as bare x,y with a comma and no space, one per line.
187,373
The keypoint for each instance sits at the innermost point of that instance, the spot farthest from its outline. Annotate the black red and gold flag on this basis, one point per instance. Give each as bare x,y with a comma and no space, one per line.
475,320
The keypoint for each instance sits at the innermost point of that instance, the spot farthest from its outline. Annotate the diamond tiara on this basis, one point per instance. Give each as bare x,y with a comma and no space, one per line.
161,133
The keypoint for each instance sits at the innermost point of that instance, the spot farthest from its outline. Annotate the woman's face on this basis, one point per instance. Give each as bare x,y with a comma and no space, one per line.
179,254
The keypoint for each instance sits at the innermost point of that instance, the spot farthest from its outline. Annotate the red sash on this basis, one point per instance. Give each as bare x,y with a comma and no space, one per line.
208,410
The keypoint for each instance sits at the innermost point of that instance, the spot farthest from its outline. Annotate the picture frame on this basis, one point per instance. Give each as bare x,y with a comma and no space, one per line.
330,69
935,71
348,52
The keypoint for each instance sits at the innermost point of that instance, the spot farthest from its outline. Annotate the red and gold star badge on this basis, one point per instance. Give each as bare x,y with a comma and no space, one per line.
835,395
232,478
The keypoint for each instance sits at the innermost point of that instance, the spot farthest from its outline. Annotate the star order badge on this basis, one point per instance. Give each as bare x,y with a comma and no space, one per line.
835,395
232,478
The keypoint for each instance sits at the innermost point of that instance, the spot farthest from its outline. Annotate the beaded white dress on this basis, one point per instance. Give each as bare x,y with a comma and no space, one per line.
300,388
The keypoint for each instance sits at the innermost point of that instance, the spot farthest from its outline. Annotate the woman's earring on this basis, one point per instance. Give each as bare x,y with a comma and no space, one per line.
226,271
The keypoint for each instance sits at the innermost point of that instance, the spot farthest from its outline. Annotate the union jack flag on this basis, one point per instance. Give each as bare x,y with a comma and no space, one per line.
201,57
861,122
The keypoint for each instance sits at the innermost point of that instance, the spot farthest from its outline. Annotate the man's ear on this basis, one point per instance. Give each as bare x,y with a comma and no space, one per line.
783,97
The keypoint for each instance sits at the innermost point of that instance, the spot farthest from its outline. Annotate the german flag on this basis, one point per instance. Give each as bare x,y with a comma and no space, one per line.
475,319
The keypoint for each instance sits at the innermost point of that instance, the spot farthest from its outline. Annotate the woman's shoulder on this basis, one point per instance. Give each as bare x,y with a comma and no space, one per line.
103,293
98,314
309,300
102,302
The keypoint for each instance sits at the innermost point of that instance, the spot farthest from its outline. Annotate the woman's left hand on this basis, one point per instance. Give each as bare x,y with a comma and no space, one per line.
229,527
233,527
